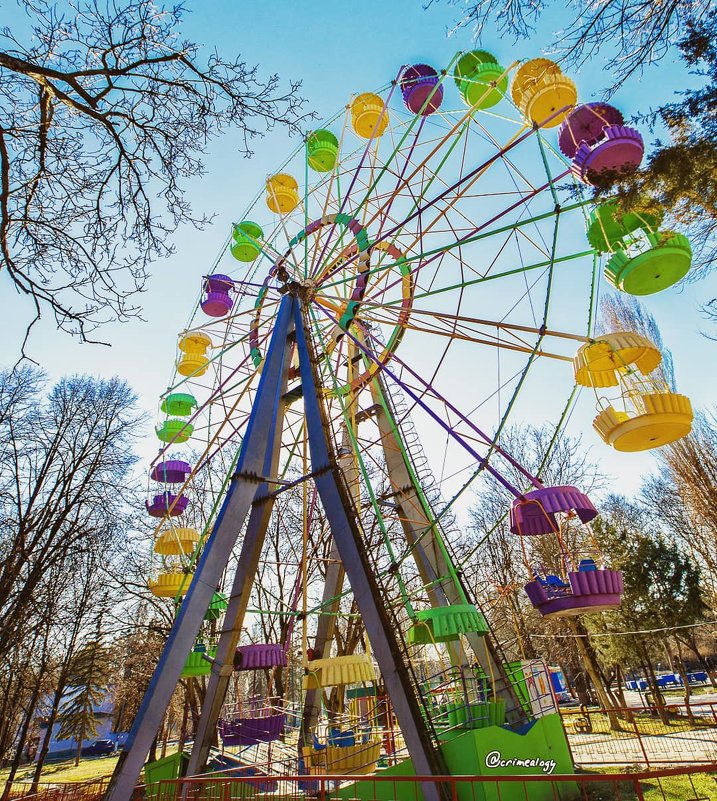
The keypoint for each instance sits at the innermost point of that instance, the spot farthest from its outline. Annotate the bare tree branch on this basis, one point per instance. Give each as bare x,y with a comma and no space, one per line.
104,114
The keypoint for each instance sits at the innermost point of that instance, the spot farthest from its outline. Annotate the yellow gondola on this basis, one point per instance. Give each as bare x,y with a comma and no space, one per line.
335,670
658,419
649,413
358,759
369,116
282,193
167,585
598,363
540,89
194,360
176,541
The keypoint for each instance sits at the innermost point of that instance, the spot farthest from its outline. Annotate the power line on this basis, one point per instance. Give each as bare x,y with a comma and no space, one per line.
627,633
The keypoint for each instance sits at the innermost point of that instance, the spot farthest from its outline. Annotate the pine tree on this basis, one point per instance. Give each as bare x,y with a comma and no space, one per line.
88,680
662,589
680,175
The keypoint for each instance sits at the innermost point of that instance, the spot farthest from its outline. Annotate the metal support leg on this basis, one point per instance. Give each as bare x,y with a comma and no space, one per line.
338,506
333,584
416,520
247,566
212,563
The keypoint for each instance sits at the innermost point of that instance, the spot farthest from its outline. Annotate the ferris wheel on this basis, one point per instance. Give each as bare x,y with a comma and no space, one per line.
410,280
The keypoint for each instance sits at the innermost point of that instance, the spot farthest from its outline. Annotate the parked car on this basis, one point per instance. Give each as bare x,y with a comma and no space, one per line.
99,748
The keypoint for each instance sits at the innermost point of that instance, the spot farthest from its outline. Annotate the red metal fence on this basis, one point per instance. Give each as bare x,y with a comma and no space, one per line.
60,791
696,783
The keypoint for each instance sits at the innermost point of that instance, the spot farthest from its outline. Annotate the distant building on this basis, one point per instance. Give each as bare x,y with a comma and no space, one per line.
103,713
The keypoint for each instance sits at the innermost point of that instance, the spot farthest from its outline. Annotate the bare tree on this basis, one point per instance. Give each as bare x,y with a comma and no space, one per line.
104,113
682,494
64,483
640,32
75,607
680,497
620,312
65,494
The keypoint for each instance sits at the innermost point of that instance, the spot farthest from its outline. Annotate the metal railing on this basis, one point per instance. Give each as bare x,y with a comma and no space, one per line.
669,734
60,791
698,783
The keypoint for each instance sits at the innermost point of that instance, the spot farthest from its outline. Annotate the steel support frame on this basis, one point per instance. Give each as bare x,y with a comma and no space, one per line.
331,597
258,442
247,566
342,515
258,457
416,521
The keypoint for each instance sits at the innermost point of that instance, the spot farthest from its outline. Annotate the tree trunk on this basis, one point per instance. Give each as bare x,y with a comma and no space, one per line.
193,706
620,692
185,720
521,630
582,689
652,681
45,747
593,670
280,689
152,756
13,700
691,643
685,682
22,740
52,719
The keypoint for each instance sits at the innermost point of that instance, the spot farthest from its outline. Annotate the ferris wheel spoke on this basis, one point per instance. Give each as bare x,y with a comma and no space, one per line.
429,390
472,236
469,178
467,328
450,137
373,141
468,240
362,467
334,181
421,119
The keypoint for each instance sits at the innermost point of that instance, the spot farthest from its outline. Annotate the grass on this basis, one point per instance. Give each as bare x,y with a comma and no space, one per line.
688,787
694,787
681,788
89,768
647,725
706,690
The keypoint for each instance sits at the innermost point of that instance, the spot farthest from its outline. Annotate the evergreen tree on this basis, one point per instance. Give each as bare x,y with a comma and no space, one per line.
88,680
662,589
680,174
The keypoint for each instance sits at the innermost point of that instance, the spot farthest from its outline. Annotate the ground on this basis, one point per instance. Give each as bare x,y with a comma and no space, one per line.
695,787
701,787
89,768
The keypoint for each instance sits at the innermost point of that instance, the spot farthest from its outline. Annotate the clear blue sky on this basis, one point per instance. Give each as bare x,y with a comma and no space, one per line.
338,49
